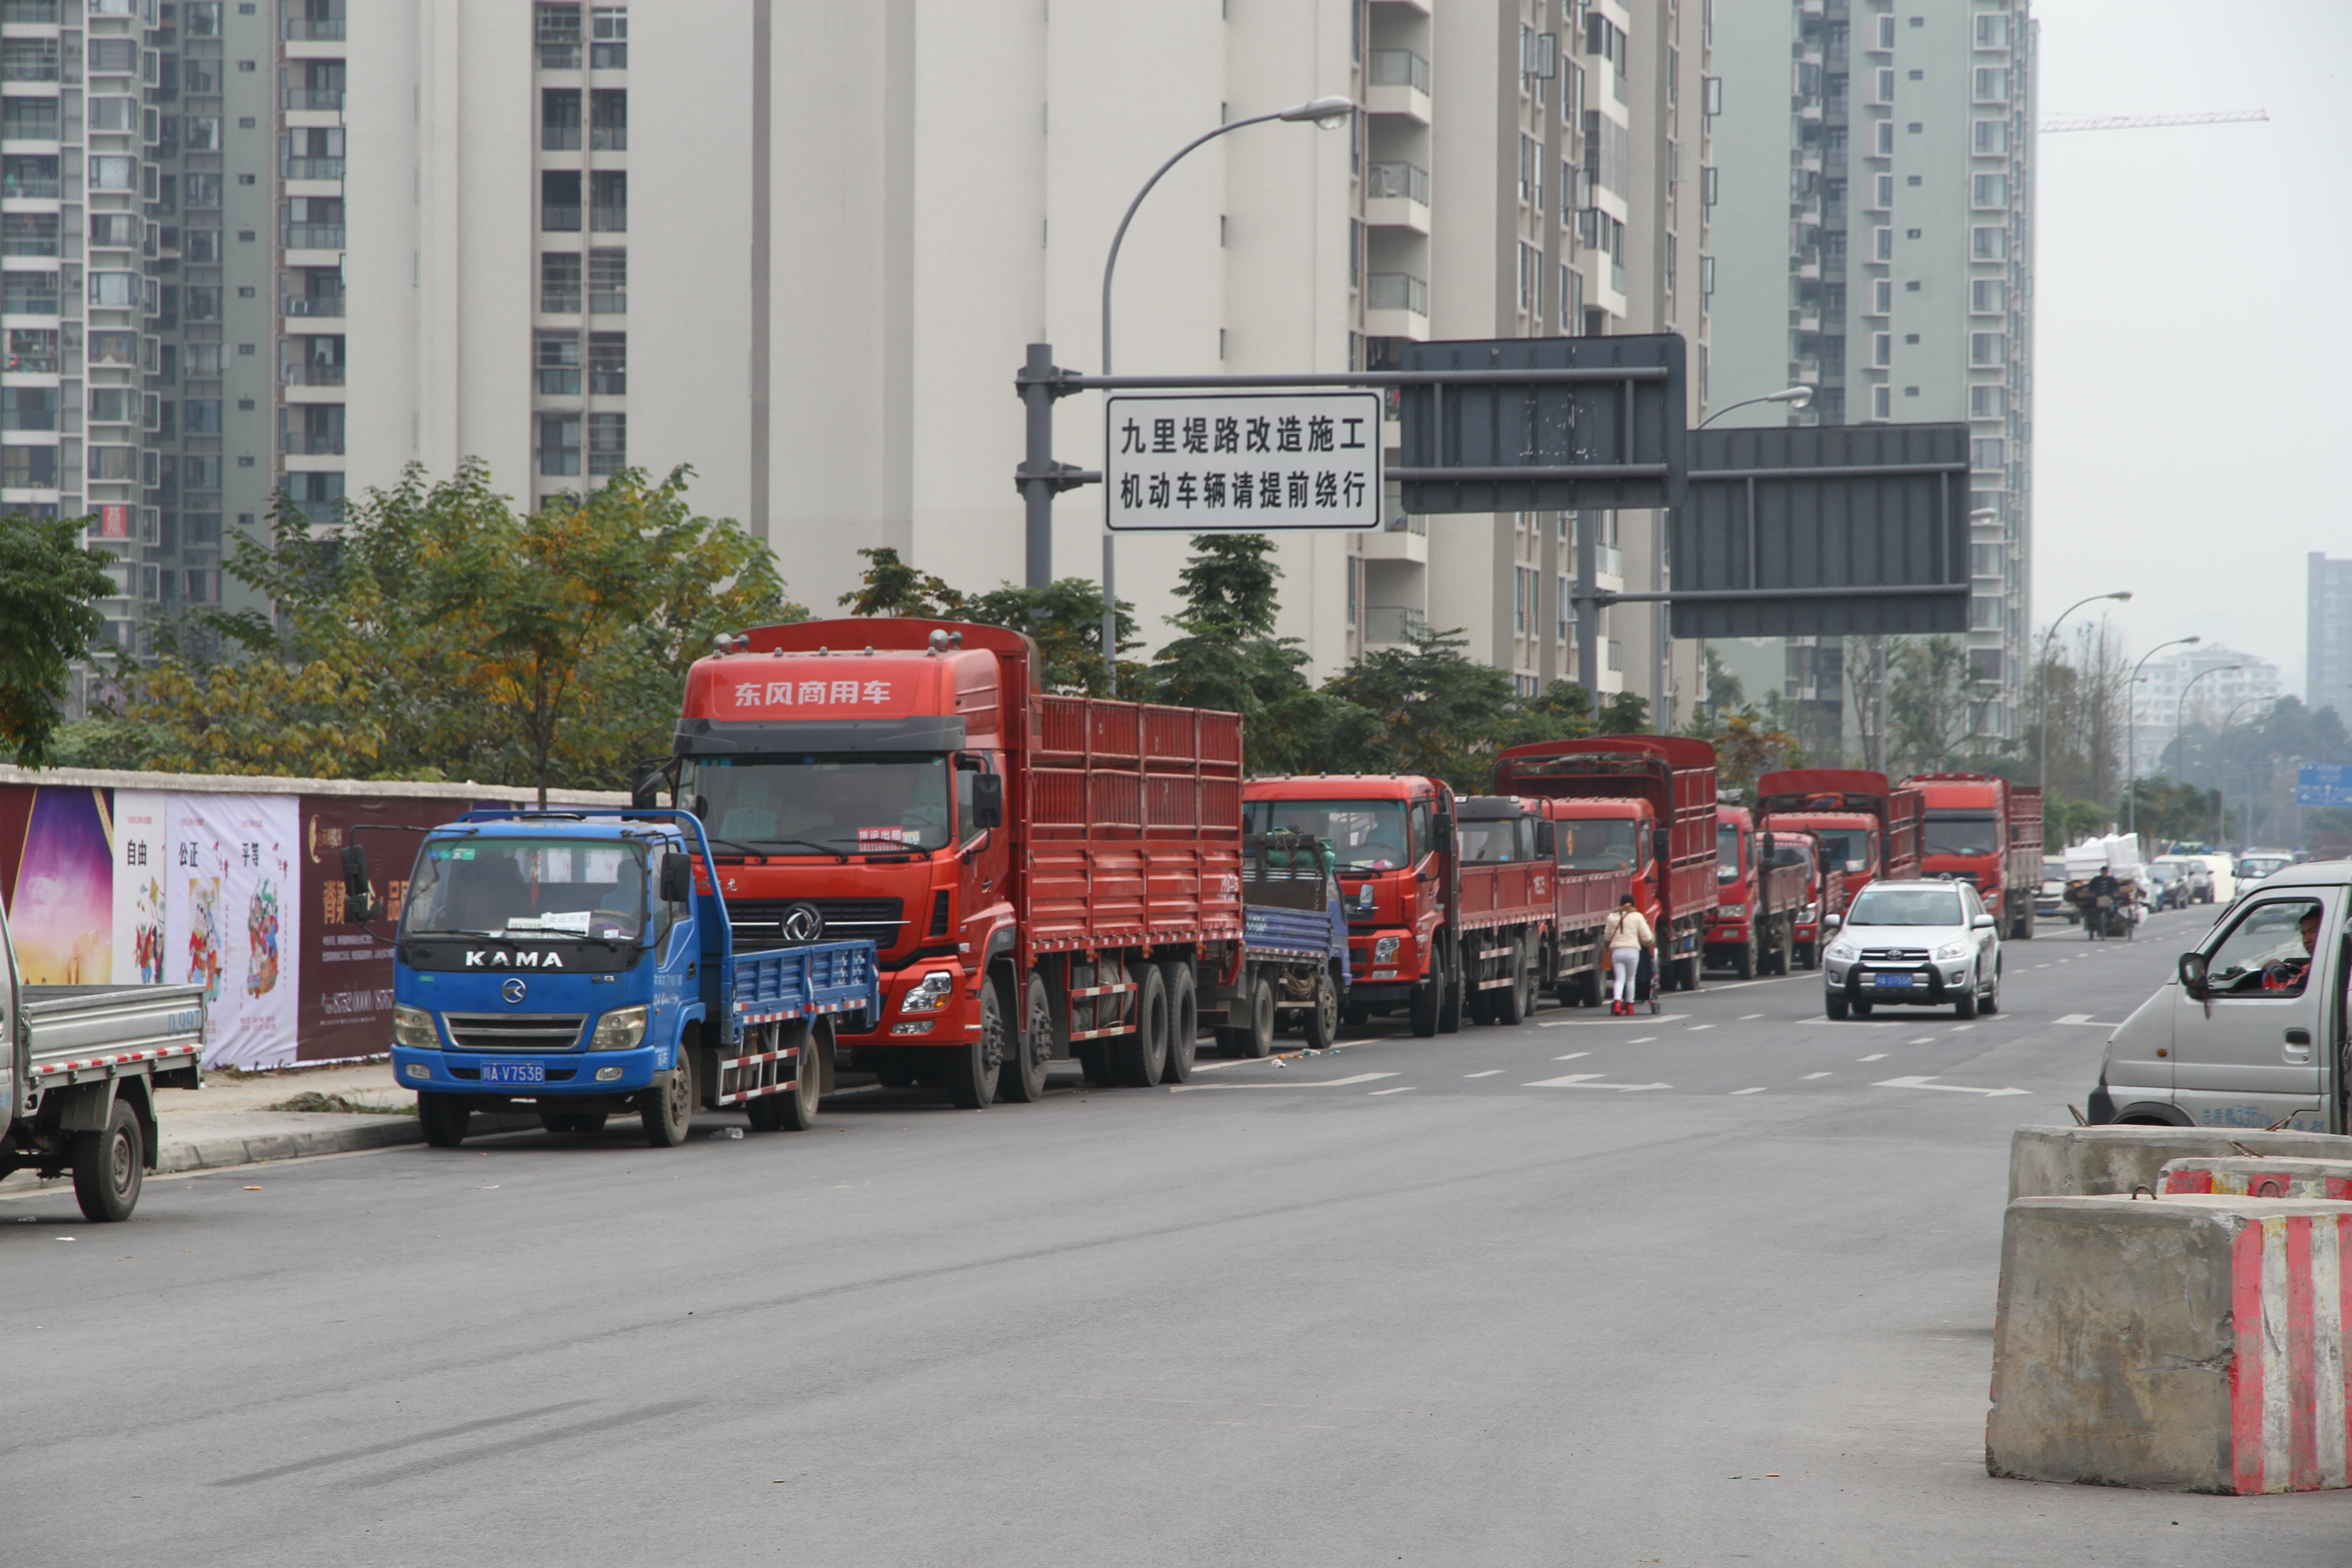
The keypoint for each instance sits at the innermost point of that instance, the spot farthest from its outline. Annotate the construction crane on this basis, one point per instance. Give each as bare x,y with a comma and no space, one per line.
2143,122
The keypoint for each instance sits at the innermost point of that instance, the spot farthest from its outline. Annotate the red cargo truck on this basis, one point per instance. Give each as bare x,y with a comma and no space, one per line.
1984,828
1592,867
1045,877
1393,846
1800,854
1506,910
1868,828
1654,794
1758,899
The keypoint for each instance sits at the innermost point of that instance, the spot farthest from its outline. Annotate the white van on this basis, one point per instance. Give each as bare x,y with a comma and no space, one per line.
2251,1029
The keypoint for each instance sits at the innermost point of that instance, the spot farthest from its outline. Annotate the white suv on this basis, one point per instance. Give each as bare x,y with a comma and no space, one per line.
1925,943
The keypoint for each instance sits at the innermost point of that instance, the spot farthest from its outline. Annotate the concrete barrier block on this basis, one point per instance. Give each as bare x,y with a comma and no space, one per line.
2194,1343
2244,1178
2071,1161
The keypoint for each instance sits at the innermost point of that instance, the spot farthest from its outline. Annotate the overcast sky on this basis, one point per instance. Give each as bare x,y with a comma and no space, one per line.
2193,388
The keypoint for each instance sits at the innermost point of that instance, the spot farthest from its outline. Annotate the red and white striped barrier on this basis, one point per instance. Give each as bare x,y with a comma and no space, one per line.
121,1058
2257,1178
2287,1393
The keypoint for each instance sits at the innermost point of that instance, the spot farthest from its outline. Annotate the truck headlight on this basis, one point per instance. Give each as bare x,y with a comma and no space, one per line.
930,994
1952,950
1733,911
413,1028
621,1029
1384,949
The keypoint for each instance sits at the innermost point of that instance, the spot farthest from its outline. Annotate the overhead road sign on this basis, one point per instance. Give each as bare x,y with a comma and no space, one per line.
2322,783
1243,461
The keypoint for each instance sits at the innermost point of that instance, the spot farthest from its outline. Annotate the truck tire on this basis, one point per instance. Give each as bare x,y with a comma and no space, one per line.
575,1121
794,1109
1686,973
2023,929
1022,1079
976,1067
1142,1054
443,1118
1253,1037
668,1113
1449,999
1510,1006
1743,962
1429,1000
108,1167
1323,1017
1589,987
1183,1020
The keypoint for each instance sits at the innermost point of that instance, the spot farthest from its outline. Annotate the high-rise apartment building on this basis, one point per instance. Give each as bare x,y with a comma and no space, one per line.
2328,636
2226,683
1876,245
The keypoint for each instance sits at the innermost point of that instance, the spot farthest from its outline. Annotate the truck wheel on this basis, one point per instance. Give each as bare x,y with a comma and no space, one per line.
1323,1018
1743,962
1428,1001
974,1067
1183,1020
583,1122
1022,1079
1449,999
1094,1055
1834,1006
109,1166
1142,1054
794,1111
1509,1004
1255,1037
1686,972
443,1118
669,1114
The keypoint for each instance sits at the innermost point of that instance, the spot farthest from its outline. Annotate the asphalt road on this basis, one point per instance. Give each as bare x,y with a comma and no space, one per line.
1711,1286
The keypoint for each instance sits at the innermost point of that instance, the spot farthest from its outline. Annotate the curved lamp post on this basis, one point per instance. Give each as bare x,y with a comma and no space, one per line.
2180,708
1794,396
2043,678
2131,734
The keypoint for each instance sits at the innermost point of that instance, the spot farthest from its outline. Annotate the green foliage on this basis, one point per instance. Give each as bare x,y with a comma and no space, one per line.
892,587
47,581
2169,810
1746,747
1064,619
2068,821
1935,703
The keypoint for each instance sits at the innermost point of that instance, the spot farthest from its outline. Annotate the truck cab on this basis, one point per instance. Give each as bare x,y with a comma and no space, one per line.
1730,931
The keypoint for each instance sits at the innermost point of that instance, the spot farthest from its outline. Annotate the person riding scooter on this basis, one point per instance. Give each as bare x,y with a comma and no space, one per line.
2102,894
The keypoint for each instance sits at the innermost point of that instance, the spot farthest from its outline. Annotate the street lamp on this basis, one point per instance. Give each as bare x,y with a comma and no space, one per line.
1328,114
2179,746
2221,784
1794,396
2131,734
2042,677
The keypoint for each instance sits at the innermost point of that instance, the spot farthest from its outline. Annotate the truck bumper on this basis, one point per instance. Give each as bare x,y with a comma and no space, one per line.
1372,979
571,1073
1728,933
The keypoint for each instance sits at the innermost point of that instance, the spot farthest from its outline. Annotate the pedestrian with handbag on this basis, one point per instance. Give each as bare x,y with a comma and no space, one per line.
1625,935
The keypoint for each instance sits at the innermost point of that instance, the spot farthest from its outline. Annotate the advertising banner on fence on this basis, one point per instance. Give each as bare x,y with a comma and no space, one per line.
347,971
229,921
142,862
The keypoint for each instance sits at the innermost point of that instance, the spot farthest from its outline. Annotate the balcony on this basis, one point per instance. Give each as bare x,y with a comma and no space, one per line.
1394,624
608,220
314,29
315,100
307,372
1397,82
1397,194
326,443
313,168
1402,538
313,236
1396,305
310,305
33,13
559,218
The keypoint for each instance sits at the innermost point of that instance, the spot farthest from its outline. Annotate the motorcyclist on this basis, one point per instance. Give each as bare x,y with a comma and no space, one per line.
2102,894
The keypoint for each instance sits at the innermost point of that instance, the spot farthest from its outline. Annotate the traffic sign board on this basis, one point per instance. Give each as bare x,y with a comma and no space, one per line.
1241,462
2322,784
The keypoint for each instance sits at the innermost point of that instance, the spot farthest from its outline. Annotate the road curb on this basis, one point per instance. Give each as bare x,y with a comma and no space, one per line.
261,1148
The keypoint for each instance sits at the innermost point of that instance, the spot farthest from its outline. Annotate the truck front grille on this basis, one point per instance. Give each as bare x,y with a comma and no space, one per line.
759,922
514,1031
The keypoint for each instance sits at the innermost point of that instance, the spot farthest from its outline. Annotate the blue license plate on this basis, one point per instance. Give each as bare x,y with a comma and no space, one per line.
1891,981
514,1072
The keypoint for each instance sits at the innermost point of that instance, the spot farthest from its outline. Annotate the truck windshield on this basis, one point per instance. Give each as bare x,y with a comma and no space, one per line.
1726,852
1792,852
845,803
515,887
1364,835
1844,846
1905,907
1611,845
1491,842
1962,833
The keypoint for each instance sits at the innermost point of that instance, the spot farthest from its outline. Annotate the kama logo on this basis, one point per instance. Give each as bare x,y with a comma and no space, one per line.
503,959
513,989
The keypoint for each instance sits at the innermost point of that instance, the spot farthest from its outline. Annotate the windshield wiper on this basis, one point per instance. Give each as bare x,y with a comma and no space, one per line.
731,844
841,854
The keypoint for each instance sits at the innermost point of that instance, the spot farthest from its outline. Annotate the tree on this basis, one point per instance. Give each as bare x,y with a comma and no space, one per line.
892,587
47,581
1228,658
1064,620
1936,703
1426,708
1746,747
2170,811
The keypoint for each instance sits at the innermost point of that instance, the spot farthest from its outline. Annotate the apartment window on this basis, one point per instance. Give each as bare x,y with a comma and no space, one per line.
310,152
106,173
1883,140
201,190
304,292
114,231
1881,402
608,282
1571,301
1984,614
608,444
1991,84
1563,608
1672,247
33,350
608,364
1526,169
202,472
201,132
608,201
559,36
1989,138
29,119
1988,297
1530,261
1992,31
113,405
320,20
109,57
203,302
28,408
28,234
318,496
309,430
203,359
112,462
118,291
1882,191
110,348
1988,245
609,44
1989,190
1608,152
559,201
1882,245
315,361
36,468
313,223
1883,87
1987,348
1988,454
28,59
314,84
559,444
1882,296
1984,560
1881,348
559,367
1707,185
1707,276
1523,600
558,283
201,415
558,119
608,119
1988,400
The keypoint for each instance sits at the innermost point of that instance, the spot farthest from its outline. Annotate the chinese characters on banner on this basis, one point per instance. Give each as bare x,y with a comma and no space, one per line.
229,921
1246,462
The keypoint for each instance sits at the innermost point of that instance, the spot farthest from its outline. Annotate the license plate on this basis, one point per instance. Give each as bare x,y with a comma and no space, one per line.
514,1072
1891,981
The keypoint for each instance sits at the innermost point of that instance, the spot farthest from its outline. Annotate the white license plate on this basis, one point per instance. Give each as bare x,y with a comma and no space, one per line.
514,1072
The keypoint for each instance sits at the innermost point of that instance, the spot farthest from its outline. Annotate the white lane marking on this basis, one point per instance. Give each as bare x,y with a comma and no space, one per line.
1742,984
2086,1021
1747,1091
1695,1029
1571,1056
1946,1087
1600,1023
1401,1088
1814,1075
1638,1040
1588,1080
1750,1018
2040,966
1292,1083
1490,1072
1961,1028
1873,1057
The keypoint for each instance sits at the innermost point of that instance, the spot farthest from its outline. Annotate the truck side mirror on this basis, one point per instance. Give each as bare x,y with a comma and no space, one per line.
1440,835
2193,973
1661,844
988,800
359,897
645,786
677,877
1544,841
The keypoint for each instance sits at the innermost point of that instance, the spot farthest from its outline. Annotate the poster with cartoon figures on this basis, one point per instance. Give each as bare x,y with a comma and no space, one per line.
143,863
228,922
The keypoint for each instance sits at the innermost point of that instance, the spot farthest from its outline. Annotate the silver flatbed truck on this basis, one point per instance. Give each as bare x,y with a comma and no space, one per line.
79,1065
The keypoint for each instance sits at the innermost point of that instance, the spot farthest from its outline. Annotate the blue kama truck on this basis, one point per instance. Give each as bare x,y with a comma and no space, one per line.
579,963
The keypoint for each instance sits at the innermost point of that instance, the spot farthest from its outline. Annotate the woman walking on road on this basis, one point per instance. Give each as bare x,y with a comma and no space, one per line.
1626,936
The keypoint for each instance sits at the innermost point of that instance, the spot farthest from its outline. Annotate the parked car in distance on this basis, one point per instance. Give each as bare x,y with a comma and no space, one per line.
2051,898
2186,879
1914,943
2256,864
